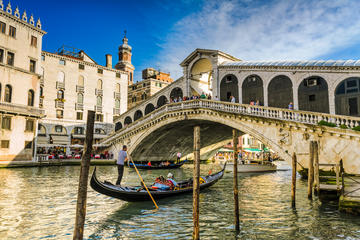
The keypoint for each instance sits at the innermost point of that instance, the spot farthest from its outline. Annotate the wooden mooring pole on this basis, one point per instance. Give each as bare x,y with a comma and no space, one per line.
311,170
316,169
196,184
293,180
236,190
83,179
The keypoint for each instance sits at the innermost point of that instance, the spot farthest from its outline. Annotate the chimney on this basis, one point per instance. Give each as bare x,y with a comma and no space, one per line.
108,60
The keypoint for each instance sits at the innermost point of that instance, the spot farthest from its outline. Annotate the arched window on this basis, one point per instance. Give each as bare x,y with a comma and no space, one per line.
31,97
8,93
143,96
117,88
61,77
60,94
99,101
99,84
117,103
80,98
81,81
41,91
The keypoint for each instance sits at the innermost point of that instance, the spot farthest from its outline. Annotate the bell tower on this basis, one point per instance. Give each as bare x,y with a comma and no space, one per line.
124,63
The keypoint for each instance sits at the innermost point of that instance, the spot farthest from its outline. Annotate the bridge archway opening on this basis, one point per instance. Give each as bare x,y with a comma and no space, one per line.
313,95
280,92
347,97
176,93
253,90
162,101
118,126
149,108
201,76
127,121
229,87
138,114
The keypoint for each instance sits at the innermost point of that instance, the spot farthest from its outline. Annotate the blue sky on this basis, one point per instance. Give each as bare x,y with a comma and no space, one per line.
163,32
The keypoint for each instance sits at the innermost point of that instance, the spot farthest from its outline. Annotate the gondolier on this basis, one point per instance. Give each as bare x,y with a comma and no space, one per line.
122,157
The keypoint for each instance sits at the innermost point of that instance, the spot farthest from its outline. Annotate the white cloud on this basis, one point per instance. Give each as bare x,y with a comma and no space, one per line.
275,30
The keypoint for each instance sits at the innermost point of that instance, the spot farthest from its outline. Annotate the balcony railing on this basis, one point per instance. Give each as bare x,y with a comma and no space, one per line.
116,111
116,95
60,85
21,109
79,88
79,106
59,104
98,91
98,108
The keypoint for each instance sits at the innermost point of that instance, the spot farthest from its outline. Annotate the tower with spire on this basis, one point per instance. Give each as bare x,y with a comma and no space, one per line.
124,63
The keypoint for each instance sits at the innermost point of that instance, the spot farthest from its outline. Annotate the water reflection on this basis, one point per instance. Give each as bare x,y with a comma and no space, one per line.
38,203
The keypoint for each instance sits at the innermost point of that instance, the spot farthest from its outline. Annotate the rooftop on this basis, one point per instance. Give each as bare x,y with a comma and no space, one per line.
304,63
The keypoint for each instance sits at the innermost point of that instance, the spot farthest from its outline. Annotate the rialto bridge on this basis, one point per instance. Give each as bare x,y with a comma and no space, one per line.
318,90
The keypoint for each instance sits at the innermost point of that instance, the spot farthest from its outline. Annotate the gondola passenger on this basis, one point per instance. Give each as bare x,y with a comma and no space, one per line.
170,177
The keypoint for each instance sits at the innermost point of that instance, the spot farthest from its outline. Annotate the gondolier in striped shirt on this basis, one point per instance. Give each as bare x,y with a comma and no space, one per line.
122,157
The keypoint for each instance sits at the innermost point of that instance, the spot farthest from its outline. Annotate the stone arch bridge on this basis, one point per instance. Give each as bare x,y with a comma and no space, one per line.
160,134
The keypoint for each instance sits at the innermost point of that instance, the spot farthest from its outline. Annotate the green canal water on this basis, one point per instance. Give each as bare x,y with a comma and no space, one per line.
39,203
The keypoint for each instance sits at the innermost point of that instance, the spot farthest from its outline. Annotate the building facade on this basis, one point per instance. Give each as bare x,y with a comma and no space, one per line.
153,81
20,60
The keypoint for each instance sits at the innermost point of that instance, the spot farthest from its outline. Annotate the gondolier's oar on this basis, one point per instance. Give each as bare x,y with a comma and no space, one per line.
144,183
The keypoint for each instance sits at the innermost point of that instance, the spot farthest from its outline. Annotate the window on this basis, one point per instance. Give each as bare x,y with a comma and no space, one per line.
6,123
131,76
58,128
62,62
99,118
99,84
117,88
79,116
133,99
41,91
81,66
5,143
8,93
32,66
28,144
10,58
29,127
60,94
12,31
144,84
33,41
118,75
2,27
99,101
159,84
1,55
117,103
143,96
100,71
43,57
311,98
79,130
80,98
31,97
59,113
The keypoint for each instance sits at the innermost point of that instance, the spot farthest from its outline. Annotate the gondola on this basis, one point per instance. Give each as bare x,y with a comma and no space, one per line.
145,166
136,194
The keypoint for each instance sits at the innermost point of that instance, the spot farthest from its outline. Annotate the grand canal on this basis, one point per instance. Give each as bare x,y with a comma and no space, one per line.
39,203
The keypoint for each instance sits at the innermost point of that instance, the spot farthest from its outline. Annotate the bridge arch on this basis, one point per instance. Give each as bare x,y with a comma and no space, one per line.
252,89
162,100
229,87
313,94
138,114
280,91
118,126
127,120
149,108
347,97
176,93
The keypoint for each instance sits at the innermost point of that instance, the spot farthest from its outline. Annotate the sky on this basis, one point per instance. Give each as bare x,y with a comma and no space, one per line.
164,32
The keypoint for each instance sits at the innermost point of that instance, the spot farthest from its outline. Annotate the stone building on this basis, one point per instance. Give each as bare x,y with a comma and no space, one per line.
152,82
20,54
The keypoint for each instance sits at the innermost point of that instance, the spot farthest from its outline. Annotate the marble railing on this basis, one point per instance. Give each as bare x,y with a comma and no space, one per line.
244,109
21,109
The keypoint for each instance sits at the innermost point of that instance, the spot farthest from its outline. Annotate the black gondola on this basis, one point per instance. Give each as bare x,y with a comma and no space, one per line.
158,166
135,194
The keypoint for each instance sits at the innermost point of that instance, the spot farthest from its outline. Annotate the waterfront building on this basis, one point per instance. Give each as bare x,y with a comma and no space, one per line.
153,81
20,60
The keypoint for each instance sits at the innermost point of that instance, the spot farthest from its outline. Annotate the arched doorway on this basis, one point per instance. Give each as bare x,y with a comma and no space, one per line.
252,90
313,95
127,121
161,101
201,76
138,114
176,93
118,126
347,97
229,87
280,92
149,108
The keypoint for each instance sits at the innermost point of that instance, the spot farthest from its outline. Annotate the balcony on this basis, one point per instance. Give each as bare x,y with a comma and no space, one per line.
21,109
98,109
41,102
79,106
59,104
98,91
116,111
79,89
116,95
60,85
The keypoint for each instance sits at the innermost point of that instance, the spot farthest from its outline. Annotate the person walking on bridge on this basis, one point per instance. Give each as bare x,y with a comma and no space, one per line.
122,157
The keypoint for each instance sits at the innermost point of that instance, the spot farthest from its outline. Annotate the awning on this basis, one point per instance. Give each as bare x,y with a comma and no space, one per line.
60,139
42,140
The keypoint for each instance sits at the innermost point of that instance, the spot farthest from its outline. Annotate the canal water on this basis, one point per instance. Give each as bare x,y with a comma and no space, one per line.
39,203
